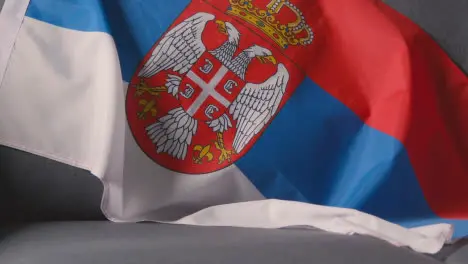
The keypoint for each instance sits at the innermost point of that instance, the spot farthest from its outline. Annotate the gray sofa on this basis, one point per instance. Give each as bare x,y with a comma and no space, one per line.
45,221
49,212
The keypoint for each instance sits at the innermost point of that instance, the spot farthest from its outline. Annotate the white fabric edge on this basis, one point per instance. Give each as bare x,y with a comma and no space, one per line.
11,18
44,154
112,199
273,214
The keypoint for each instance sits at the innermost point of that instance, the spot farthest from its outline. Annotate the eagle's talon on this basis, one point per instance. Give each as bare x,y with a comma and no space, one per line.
225,153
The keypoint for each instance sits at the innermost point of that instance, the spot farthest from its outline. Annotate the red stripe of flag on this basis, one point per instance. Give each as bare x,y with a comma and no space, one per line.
399,81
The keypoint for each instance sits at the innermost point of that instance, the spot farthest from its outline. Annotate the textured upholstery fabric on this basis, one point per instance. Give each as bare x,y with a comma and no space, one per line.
33,188
108,243
454,254
445,21
460,256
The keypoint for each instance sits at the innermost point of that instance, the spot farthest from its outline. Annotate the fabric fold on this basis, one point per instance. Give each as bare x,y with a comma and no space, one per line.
281,214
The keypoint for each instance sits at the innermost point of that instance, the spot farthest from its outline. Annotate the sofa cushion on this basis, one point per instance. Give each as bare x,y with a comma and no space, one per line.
111,243
459,257
456,253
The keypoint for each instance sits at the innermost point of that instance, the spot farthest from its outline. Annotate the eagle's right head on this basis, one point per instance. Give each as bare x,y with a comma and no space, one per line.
263,54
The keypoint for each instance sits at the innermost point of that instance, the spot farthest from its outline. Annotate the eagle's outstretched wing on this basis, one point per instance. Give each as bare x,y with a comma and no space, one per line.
255,106
180,48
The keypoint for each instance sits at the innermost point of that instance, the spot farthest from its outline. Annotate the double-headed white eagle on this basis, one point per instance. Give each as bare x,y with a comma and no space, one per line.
253,108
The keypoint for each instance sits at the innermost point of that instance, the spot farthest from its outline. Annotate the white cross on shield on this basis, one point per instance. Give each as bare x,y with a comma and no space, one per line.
209,88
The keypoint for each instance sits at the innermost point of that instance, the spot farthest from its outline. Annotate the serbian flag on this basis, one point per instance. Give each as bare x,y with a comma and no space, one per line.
340,115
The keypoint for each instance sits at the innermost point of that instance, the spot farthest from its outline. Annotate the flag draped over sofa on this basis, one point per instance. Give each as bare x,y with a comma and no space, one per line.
342,115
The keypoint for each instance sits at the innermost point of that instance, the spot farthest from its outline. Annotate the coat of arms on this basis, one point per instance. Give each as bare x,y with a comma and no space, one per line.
213,83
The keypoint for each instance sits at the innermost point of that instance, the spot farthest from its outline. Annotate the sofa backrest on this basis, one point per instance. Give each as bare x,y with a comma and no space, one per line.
34,188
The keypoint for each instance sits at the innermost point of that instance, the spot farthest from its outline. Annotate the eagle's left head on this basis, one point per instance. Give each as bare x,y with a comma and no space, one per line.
229,29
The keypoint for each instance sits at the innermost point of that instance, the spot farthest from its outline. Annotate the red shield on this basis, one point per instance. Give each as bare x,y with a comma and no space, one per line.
192,129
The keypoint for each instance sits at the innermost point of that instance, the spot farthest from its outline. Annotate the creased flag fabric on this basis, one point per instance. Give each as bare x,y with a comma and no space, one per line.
343,115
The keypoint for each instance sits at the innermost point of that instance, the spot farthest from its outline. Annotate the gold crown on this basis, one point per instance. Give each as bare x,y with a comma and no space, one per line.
284,34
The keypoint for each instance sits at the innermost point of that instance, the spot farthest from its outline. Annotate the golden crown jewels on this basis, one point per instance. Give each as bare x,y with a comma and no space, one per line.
283,33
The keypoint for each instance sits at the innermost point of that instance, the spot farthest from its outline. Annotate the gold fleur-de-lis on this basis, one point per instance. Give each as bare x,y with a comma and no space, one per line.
148,107
142,88
202,153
